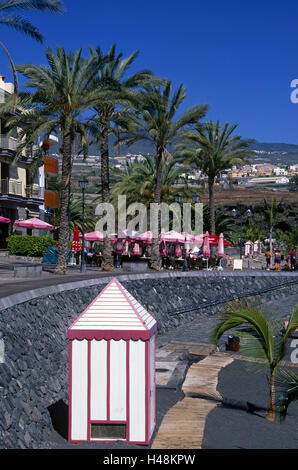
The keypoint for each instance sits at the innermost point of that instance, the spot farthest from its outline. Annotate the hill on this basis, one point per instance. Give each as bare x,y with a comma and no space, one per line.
265,152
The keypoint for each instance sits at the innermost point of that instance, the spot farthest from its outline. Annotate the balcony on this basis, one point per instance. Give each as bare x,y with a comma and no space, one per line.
8,145
13,187
10,186
34,192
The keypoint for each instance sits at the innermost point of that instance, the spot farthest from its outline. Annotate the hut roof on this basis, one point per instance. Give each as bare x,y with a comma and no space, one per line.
113,314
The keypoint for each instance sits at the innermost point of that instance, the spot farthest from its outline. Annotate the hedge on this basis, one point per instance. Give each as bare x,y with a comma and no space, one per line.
27,245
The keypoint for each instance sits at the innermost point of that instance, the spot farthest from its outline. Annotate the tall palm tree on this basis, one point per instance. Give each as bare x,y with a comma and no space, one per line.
271,215
260,338
213,148
60,96
109,113
155,120
9,18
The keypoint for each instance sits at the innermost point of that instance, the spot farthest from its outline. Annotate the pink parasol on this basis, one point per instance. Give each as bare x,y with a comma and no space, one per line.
94,236
76,245
206,246
126,247
34,223
177,250
145,237
199,239
4,220
188,236
136,249
127,234
220,249
172,237
119,247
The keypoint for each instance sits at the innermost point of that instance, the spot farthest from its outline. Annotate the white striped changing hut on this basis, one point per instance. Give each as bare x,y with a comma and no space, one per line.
112,370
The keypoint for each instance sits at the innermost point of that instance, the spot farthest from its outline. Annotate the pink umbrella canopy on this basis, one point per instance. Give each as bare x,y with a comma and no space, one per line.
199,239
188,236
220,249
136,249
145,237
172,237
126,247
34,223
94,236
124,235
119,247
4,220
128,234
206,246
177,250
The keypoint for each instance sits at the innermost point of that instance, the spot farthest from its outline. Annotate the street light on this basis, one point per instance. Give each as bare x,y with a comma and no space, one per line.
196,198
248,214
83,185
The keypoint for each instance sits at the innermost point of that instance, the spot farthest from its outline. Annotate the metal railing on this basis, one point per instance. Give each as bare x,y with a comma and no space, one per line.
10,186
8,143
34,192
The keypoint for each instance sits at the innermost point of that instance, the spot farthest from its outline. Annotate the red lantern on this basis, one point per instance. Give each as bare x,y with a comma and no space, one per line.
45,145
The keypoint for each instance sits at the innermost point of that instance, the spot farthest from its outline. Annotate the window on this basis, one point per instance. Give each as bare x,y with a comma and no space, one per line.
108,431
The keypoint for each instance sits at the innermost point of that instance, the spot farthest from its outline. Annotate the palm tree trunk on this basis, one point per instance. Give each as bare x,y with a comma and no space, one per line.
270,415
64,205
107,264
270,246
212,210
155,258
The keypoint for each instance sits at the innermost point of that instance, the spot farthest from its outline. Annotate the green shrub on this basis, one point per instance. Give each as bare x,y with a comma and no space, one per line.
27,245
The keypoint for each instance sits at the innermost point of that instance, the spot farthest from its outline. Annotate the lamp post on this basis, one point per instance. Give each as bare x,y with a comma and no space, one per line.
234,214
178,199
83,185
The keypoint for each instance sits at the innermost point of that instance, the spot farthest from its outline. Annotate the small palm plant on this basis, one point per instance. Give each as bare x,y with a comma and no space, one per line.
286,384
261,337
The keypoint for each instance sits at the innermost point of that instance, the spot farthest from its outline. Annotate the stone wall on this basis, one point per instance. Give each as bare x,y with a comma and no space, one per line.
34,374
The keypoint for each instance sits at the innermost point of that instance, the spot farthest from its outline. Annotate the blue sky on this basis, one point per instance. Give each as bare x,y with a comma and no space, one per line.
238,57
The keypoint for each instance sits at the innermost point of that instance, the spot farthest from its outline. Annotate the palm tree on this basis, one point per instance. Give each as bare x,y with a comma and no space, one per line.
61,96
223,223
260,336
75,211
155,120
109,113
138,181
213,148
271,214
23,25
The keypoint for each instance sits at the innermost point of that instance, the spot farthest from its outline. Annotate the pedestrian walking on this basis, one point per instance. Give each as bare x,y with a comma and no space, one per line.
268,259
277,260
293,257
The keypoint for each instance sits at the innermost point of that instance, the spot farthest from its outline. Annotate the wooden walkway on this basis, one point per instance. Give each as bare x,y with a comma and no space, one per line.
183,426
